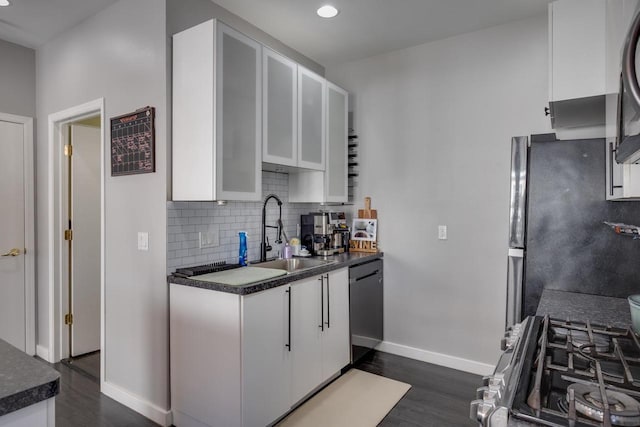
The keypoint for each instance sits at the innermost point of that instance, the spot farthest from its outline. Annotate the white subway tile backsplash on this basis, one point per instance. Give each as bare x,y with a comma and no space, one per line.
187,219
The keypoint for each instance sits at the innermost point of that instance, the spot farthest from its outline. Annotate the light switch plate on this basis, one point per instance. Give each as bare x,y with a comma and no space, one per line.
143,241
442,232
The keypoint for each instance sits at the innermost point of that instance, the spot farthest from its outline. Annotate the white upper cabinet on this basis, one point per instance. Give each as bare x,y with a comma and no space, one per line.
279,109
622,180
331,185
217,114
336,181
311,120
577,49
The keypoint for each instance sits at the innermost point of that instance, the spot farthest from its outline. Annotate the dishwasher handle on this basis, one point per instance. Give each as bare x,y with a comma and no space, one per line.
357,279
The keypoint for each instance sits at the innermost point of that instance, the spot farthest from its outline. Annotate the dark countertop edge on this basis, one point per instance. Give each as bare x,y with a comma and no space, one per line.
343,260
28,397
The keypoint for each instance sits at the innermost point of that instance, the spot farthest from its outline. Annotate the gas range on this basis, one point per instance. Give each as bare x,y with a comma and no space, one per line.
561,373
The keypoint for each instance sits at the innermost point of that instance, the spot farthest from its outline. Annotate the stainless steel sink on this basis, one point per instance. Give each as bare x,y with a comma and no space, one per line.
293,265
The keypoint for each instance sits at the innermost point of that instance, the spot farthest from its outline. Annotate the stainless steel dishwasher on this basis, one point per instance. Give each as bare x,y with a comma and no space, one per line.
366,305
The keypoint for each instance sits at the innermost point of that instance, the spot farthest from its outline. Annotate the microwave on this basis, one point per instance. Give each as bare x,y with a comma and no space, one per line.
628,111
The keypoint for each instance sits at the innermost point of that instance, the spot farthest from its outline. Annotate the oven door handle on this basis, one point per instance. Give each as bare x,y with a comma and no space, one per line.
629,75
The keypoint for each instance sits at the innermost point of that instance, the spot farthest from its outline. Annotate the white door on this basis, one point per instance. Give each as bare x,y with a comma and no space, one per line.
311,119
12,235
336,347
306,335
266,359
336,180
279,109
239,116
85,218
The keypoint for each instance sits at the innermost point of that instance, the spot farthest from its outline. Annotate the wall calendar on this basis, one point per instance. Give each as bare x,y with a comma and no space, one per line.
133,143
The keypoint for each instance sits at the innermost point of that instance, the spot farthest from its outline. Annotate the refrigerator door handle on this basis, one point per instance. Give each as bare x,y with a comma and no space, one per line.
518,199
515,275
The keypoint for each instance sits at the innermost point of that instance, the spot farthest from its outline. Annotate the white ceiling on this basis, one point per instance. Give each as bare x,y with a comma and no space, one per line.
369,27
33,22
363,28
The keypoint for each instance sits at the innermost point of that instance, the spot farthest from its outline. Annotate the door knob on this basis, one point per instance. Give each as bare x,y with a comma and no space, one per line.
12,252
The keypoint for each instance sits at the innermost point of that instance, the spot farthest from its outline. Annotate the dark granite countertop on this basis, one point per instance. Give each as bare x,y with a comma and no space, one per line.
343,260
24,380
607,311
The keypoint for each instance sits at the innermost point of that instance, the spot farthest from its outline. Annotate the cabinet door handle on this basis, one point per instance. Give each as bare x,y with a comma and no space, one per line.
288,291
328,305
612,152
321,303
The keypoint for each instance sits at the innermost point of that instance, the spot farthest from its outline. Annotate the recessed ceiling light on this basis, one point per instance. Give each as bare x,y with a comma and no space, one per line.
327,11
5,3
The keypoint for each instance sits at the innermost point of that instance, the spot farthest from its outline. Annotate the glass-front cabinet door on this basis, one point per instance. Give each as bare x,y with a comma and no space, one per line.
238,116
279,109
336,189
217,114
311,120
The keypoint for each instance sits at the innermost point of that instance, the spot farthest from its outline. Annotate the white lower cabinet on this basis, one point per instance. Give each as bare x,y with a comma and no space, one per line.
41,414
266,358
247,360
336,348
320,333
306,337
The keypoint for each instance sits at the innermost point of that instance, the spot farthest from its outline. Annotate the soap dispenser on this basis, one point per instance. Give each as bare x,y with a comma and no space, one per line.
286,251
242,252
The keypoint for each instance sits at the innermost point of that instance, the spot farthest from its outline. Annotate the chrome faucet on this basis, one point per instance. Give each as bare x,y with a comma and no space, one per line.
264,244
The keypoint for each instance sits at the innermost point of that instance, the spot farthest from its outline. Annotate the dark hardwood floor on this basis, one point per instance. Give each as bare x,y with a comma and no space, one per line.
438,396
80,404
87,363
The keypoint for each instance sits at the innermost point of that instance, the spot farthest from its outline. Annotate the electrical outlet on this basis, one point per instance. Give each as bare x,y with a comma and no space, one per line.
209,239
143,241
442,232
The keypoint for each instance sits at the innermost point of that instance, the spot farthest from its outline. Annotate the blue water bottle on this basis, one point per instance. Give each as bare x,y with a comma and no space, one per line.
242,253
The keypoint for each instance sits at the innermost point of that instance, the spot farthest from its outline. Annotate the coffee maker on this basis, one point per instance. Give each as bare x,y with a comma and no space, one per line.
324,233
316,232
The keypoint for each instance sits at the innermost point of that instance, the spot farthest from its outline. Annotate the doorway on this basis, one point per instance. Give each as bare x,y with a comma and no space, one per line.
81,205
77,244
17,267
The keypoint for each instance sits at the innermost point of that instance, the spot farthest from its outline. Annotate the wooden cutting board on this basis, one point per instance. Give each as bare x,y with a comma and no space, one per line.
367,212
241,276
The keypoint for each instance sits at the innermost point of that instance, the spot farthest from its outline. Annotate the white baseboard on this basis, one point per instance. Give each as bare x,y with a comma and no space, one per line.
364,341
141,406
436,358
43,352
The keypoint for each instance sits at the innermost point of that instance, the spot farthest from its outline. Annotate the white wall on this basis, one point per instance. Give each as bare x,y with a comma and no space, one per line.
118,54
435,123
17,79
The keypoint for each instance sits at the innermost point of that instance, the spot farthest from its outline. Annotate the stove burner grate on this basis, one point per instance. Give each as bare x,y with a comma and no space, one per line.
581,340
624,410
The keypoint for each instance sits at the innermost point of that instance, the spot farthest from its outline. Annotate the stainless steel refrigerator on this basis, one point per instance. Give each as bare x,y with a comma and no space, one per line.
557,236
517,229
